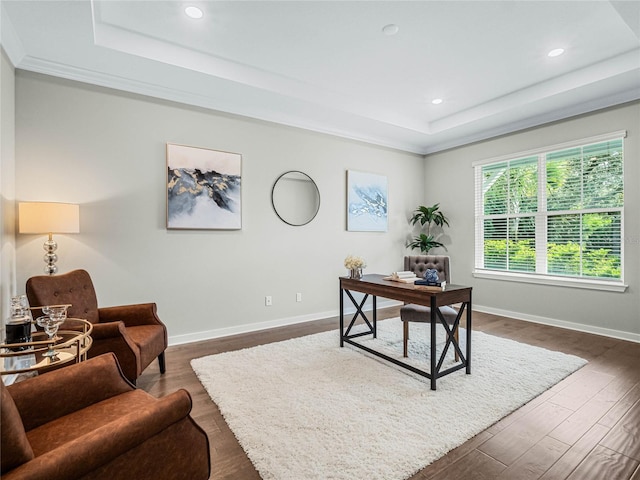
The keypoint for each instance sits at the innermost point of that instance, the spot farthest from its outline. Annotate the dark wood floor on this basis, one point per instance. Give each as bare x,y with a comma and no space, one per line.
587,427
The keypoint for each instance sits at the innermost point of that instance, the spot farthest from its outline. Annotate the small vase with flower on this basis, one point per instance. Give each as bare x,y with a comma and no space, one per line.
354,265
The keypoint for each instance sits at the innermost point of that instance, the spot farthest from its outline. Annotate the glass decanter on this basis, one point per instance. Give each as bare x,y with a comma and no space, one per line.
18,325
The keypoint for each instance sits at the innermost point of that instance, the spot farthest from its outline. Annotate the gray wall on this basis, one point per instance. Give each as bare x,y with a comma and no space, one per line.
7,187
449,177
106,151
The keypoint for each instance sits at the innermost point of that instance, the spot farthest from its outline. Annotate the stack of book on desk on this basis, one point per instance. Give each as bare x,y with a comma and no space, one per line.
410,277
431,287
403,277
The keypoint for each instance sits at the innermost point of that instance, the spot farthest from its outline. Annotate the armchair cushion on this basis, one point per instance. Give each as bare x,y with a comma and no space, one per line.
16,449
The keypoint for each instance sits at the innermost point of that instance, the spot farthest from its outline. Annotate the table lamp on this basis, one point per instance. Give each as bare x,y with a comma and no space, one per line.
49,217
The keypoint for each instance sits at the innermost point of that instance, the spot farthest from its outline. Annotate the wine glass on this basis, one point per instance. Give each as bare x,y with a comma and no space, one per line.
56,315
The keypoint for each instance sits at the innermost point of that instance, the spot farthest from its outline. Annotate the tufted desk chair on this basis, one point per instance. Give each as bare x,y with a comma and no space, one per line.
134,333
410,312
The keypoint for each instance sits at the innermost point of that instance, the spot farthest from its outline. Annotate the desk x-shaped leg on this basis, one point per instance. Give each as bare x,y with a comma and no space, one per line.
436,314
451,339
359,313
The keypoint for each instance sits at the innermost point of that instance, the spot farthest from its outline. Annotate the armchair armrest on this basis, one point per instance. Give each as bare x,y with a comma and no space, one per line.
88,452
138,314
102,331
68,389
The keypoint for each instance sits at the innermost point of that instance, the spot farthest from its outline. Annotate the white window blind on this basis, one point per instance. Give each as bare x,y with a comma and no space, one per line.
553,212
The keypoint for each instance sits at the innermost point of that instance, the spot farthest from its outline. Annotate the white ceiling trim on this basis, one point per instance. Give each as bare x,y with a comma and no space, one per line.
9,37
188,98
92,77
113,56
121,40
609,68
128,42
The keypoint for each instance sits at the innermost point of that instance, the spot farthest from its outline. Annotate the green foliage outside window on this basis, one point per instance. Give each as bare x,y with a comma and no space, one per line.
583,194
563,259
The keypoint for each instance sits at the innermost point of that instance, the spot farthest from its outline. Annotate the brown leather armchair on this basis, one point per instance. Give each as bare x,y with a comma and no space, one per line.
86,421
134,333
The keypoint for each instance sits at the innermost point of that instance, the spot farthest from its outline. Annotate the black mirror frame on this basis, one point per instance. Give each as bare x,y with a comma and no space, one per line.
276,210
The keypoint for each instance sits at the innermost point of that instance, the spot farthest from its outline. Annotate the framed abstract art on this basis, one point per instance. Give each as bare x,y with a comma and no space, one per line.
203,189
366,202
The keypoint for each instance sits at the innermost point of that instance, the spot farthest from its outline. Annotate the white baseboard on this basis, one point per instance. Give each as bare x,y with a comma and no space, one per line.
580,327
281,322
254,327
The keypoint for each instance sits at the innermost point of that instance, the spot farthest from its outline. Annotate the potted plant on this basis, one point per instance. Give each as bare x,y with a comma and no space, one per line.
427,216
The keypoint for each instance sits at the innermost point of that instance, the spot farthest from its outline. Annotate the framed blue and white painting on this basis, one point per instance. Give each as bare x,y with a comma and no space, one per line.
203,189
366,202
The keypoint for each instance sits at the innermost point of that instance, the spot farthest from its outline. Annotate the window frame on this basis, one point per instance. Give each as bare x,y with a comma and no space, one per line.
541,216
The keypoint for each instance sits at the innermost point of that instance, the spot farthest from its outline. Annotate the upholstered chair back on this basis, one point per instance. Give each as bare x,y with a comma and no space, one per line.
421,263
75,288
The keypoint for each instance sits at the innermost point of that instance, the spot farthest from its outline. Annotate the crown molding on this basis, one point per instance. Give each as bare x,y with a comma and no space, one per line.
9,38
93,77
102,79
596,104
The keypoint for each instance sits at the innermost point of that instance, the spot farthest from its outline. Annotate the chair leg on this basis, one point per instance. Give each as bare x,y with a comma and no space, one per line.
405,338
455,335
162,363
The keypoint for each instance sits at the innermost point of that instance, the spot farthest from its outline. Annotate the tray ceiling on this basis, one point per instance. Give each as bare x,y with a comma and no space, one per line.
330,66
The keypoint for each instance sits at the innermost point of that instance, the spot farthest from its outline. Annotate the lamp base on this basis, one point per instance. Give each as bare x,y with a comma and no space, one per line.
50,258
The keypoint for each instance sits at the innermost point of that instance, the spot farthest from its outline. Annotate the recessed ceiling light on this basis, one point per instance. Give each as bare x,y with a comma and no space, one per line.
194,12
556,52
437,101
390,29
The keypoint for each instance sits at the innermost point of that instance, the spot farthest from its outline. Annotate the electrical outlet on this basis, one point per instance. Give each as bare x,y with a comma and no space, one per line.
298,297
268,301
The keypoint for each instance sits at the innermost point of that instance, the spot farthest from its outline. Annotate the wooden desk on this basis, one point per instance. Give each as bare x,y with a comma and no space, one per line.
375,286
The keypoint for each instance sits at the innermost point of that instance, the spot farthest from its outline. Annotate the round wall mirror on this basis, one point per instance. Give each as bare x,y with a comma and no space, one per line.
295,198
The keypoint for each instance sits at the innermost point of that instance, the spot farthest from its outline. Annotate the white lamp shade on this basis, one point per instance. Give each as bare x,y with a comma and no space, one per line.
48,217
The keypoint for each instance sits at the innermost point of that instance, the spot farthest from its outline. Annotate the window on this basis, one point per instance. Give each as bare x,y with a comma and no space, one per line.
553,215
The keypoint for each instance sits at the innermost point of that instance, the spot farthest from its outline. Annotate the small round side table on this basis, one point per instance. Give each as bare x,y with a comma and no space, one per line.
72,342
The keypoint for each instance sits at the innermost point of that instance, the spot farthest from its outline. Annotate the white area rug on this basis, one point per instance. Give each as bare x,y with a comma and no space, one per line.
307,409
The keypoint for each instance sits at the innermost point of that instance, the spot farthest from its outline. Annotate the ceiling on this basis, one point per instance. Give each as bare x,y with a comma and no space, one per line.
328,66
